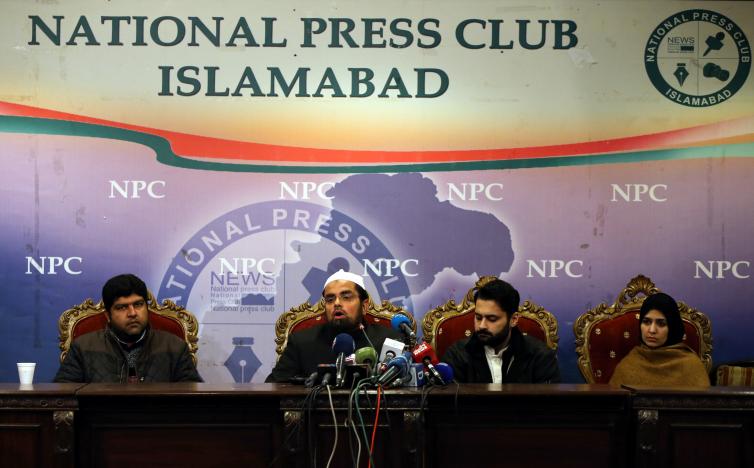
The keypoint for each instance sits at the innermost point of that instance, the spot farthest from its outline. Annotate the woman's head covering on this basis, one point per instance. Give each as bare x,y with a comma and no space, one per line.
669,309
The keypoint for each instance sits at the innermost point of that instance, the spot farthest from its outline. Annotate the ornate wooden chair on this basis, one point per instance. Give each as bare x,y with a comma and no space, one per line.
605,334
88,317
450,322
306,315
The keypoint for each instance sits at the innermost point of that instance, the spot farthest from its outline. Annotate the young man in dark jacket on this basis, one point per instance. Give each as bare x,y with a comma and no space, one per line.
498,352
127,349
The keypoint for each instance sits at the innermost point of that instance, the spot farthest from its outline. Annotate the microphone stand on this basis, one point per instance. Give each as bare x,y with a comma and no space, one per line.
339,370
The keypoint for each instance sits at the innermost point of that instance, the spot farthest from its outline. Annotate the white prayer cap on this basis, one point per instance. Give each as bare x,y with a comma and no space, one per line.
344,275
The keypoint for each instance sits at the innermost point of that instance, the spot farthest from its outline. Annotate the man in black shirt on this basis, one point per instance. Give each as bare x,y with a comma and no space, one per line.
346,301
498,352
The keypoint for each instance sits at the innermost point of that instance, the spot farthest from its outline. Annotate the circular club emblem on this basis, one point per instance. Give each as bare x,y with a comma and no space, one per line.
697,58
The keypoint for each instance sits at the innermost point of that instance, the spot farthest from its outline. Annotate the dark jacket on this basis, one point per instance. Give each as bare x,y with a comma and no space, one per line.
98,357
308,348
533,361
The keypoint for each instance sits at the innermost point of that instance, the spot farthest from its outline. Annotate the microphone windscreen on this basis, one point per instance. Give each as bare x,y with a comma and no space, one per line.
445,371
366,355
397,368
343,343
390,349
424,351
397,320
401,363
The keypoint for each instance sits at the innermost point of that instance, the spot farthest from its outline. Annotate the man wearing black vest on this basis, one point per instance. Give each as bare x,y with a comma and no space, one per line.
498,352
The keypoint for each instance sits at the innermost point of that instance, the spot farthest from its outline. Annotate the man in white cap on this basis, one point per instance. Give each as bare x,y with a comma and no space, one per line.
346,300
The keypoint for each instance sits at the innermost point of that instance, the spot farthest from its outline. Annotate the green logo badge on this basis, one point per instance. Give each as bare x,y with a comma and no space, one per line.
697,58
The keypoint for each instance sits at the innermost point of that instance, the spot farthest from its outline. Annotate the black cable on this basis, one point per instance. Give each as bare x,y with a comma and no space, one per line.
385,407
295,431
311,439
354,461
310,420
361,420
455,399
422,407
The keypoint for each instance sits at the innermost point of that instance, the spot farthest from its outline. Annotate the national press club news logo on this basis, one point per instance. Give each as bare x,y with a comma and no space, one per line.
355,240
698,58
247,293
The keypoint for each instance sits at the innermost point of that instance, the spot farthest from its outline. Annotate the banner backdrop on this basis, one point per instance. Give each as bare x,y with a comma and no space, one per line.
234,154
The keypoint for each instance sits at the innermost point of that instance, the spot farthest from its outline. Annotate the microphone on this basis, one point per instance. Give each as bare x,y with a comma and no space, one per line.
445,371
310,381
424,353
351,373
417,377
324,373
381,366
401,323
343,345
407,378
366,356
390,349
397,367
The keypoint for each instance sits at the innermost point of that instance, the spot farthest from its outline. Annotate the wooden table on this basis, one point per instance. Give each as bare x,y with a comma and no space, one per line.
198,425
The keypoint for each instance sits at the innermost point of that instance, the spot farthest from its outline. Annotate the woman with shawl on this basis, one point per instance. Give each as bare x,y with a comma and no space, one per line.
662,359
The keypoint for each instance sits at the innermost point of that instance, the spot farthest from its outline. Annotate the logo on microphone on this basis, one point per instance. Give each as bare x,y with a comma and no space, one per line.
697,58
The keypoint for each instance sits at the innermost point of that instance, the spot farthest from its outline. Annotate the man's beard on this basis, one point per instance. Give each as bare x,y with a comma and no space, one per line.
346,324
488,339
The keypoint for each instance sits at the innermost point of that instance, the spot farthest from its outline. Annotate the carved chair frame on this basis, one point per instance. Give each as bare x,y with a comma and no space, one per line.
630,300
169,309
290,319
433,320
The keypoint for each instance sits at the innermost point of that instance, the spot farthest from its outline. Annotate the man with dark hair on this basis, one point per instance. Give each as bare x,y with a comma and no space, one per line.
498,352
127,349
346,301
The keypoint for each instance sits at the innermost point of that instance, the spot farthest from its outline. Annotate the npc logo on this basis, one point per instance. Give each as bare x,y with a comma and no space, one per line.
697,58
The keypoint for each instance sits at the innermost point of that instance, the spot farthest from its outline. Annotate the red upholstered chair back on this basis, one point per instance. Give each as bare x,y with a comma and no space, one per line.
88,317
307,315
99,321
606,334
449,323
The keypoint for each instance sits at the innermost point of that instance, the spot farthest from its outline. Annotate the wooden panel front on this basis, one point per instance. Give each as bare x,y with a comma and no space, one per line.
172,425
311,430
36,425
682,427
21,439
528,426
196,444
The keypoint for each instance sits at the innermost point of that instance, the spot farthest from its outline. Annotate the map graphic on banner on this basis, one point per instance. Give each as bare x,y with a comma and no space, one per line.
234,155
248,297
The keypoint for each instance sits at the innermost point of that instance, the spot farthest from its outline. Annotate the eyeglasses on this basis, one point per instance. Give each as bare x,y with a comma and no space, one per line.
345,296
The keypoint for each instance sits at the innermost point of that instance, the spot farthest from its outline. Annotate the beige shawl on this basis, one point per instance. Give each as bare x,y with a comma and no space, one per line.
676,365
